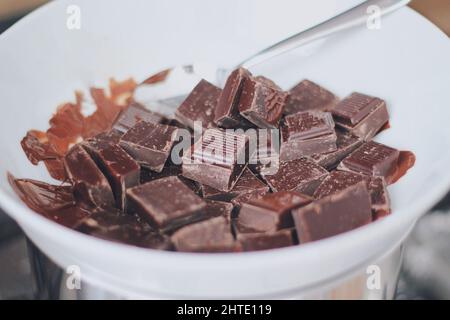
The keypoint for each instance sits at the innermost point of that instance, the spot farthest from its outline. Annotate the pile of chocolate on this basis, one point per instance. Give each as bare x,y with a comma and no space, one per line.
327,176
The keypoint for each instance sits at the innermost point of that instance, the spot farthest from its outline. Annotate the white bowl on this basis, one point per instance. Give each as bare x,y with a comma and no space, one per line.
405,62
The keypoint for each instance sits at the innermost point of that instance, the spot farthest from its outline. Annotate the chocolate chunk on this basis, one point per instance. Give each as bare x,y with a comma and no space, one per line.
123,228
216,209
213,235
166,203
227,112
247,182
262,102
168,171
361,115
252,195
334,214
373,159
346,143
121,170
301,175
307,96
135,112
381,204
307,133
271,212
217,159
150,144
90,185
101,141
199,106
265,241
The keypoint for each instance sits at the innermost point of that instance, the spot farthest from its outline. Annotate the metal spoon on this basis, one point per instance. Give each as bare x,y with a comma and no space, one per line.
164,97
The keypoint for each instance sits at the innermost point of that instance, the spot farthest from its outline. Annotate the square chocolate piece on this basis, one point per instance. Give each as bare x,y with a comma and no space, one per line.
307,96
227,112
150,144
90,185
200,105
166,203
135,112
262,102
217,159
251,195
301,175
213,235
334,214
271,212
373,159
266,241
346,143
307,133
361,115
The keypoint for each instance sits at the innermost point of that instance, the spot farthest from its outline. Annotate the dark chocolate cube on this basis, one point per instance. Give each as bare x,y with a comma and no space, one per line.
334,214
301,175
213,235
307,96
134,113
373,159
150,144
200,106
90,185
262,102
307,133
271,212
361,115
217,159
166,203
266,241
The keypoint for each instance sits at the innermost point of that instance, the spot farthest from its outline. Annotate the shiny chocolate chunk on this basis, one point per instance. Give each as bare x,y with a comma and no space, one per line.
271,212
346,143
227,112
333,214
101,141
309,96
307,133
217,159
200,106
262,102
213,235
129,117
150,144
361,115
267,240
247,196
373,159
90,184
301,175
166,203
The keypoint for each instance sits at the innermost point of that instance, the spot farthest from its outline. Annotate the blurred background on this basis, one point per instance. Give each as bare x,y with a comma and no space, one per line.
26,274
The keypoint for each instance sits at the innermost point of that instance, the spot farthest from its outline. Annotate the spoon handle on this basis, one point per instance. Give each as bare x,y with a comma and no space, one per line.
353,17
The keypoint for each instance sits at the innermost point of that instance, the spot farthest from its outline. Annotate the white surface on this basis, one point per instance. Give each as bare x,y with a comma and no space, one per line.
405,62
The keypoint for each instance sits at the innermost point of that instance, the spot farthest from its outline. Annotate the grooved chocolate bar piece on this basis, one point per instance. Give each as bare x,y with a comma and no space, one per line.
227,112
217,159
373,159
247,182
213,235
265,241
301,175
166,203
361,115
90,185
346,143
271,212
308,95
200,105
135,112
150,144
121,170
307,133
123,228
334,214
262,102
